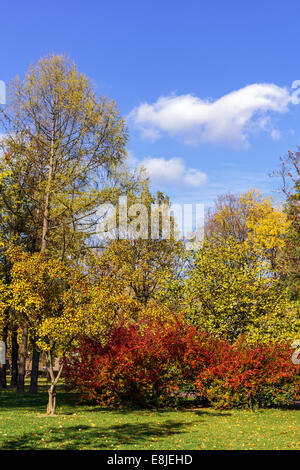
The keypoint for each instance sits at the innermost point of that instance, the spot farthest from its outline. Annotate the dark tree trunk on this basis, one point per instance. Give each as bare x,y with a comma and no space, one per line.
14,359
2,376
3,366
33,389
22,361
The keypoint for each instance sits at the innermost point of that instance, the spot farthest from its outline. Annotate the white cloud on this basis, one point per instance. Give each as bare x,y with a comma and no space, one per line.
275,134
228,120
173,172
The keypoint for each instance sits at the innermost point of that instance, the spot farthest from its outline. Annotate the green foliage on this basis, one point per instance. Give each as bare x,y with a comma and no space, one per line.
291,253
61,144
231,291
62,154
59,301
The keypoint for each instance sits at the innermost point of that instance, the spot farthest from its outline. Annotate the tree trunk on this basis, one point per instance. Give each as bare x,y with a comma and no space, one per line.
3,366
2,377
48,194
14,358
22,362
33,389
51,407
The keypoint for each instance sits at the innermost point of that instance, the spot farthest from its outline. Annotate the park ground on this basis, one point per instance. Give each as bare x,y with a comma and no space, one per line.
24,425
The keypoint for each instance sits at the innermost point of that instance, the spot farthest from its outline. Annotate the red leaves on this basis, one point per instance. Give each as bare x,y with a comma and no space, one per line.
139,365
151,364
241,375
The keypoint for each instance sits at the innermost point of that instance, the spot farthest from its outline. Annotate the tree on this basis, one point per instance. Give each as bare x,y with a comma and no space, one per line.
229,292
253,219
227,218
7,235
147,265
4,302
61,302
290,172
61,143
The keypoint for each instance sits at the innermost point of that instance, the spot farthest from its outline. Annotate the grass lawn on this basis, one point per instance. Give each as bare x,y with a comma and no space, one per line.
23,425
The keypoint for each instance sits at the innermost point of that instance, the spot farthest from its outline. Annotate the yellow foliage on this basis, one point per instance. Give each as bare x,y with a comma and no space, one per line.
60,302
231,292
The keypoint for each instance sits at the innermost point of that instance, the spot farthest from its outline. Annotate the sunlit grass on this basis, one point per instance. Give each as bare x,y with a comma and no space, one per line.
24,425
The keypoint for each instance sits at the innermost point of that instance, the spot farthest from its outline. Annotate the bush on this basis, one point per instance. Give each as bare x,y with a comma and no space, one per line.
245,376
140,365
156,364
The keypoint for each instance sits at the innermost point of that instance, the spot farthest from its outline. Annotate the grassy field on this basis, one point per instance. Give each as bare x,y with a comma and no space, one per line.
23,425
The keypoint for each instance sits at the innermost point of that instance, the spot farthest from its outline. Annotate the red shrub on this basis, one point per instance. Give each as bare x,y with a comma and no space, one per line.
139,366
153,365
242,376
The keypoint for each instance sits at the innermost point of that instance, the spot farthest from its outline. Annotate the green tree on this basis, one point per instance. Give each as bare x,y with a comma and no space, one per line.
61,144
229,292
290,172
149,265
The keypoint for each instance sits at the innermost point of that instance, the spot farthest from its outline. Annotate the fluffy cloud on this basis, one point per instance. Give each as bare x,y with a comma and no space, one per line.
228,120
173,172
275,134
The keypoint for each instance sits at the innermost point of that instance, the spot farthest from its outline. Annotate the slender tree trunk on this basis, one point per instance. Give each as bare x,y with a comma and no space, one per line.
22,361
14,358
48,195
33,389
51,407
3,366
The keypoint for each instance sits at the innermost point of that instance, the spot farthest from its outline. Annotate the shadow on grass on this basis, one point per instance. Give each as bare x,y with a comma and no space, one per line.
81,437
67,405
10,399
159,411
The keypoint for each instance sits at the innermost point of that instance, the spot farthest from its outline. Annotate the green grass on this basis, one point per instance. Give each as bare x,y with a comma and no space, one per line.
23,425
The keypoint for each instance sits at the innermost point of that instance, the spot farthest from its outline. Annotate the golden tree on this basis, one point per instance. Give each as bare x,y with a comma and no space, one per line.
61,144
59,303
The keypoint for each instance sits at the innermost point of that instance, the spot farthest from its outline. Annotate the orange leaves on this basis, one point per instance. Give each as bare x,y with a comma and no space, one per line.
151,364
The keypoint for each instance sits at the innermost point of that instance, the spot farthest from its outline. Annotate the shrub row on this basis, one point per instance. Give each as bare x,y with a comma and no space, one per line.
156,365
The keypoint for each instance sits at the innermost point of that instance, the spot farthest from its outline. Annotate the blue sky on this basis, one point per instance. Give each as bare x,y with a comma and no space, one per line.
205,86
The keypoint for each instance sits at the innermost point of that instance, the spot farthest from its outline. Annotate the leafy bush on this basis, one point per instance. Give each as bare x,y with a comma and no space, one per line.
156,364
139,366
240,375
